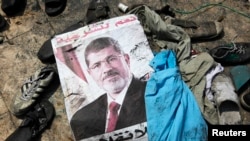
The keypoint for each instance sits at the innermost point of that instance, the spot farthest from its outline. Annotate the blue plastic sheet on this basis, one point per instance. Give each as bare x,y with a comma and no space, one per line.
171,108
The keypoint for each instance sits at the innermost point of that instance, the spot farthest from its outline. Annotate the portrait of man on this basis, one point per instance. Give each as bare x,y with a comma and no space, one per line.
122,105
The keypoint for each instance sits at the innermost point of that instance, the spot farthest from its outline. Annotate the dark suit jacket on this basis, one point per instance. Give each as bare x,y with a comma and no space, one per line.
91,119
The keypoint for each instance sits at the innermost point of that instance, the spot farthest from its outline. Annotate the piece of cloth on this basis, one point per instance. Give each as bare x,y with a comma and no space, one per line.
113,108
209,77
171,109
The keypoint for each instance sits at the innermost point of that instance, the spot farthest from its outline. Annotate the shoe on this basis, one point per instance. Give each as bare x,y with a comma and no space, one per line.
199,30
2,23
45,54
227,101
12,7
165,10
245,99
97,11
231,54
38,84
55,7
38,119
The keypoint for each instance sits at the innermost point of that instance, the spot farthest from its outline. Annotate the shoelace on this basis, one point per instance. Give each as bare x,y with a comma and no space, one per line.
26,95
235,49
239,49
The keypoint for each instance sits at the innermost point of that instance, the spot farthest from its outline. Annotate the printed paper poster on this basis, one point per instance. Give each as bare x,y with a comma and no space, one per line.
103,63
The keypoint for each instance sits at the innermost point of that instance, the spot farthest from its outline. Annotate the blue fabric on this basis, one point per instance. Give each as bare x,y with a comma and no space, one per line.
240,75
172,111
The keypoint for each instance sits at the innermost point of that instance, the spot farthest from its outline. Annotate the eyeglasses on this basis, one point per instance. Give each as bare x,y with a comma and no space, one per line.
112,59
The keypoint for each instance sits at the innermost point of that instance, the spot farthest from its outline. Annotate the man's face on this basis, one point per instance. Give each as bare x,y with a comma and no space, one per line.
109,69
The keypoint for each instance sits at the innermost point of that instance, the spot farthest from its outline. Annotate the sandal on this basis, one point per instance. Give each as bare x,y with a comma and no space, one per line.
35,122
54,7
32,89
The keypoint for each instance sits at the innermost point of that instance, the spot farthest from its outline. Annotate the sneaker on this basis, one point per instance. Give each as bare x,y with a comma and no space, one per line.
38,84
245,99
231,54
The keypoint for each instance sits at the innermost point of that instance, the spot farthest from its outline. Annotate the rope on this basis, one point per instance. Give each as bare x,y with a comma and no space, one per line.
209,5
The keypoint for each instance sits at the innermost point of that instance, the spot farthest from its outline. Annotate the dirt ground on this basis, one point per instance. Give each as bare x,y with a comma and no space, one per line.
27,31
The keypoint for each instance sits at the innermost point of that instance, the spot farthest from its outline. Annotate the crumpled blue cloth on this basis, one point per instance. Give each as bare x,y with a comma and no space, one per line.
172,112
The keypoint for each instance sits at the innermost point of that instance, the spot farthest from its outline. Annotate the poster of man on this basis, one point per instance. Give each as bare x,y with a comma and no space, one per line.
103,68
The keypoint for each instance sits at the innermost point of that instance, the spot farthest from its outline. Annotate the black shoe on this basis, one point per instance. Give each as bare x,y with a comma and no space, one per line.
231,54
55,7
34,123
46,54
2,23
98,10
12,7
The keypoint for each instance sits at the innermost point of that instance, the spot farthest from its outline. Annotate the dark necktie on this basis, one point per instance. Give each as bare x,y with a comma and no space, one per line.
113,116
